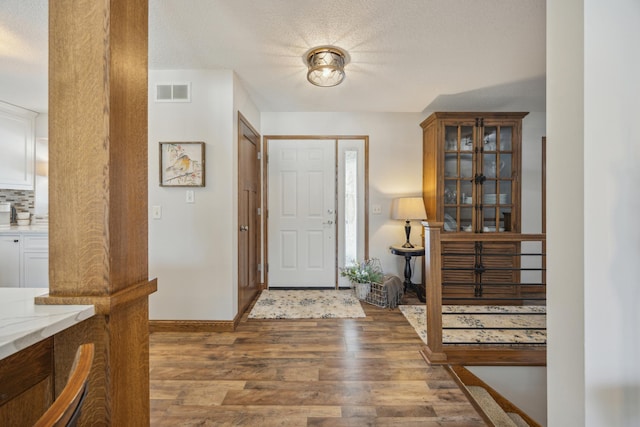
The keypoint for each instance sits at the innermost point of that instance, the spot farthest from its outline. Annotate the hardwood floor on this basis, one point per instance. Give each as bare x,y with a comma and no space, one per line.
320,372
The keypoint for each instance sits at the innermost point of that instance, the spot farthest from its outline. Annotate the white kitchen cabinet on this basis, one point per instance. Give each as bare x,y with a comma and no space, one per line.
24,259
35,260
17,145
35,270
9,260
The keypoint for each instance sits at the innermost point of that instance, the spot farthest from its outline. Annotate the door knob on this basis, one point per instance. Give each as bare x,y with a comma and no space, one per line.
244,228
328,222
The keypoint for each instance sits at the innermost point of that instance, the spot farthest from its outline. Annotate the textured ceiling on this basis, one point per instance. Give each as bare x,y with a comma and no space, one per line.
23,53
406,55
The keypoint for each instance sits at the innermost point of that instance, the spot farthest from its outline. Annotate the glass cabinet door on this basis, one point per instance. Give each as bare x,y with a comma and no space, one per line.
459,170
496,163
478,177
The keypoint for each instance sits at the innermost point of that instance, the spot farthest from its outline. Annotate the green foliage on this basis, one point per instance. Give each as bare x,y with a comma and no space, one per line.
367,271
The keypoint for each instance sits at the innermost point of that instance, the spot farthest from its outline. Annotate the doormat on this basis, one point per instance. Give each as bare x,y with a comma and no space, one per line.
306,304
471,324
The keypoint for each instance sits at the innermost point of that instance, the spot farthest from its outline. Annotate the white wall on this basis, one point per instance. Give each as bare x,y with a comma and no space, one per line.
395,166
611,206
565,214
593,105
191,247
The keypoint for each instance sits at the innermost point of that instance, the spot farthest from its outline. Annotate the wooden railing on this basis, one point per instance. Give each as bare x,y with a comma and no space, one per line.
510,271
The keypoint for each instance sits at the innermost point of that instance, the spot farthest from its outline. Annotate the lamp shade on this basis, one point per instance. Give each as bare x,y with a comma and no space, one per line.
407,208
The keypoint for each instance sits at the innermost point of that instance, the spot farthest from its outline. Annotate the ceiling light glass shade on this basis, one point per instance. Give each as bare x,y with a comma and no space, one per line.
326,66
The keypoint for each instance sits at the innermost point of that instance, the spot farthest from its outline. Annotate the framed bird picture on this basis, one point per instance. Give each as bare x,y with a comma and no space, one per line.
182,164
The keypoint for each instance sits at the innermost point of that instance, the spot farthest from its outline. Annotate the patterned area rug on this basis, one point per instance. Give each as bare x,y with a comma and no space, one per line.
469,324
306,304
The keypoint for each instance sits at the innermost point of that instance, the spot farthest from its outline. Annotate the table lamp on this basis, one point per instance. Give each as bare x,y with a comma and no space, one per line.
408,208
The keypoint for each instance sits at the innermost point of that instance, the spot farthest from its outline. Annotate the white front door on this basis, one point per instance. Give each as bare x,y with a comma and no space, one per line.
301,209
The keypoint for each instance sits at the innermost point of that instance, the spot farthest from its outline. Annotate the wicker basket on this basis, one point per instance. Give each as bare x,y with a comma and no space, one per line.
375,293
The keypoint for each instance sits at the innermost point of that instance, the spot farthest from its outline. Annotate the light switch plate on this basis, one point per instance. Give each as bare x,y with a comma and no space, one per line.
156,212
191,198
376,209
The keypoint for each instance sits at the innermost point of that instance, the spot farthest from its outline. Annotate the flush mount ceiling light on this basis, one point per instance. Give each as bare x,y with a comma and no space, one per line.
326,65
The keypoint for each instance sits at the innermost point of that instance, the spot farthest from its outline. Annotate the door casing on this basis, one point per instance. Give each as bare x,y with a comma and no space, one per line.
249,189
265,180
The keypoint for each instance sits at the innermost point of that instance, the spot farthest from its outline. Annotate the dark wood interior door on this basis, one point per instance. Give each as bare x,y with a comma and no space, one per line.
248,203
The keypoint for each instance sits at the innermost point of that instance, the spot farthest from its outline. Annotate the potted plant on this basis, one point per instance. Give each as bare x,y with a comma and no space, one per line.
362,274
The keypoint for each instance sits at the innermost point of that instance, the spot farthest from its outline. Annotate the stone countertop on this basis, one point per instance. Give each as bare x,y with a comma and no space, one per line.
23,323
20,229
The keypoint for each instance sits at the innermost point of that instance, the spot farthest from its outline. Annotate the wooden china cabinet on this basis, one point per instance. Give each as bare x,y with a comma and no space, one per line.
471,183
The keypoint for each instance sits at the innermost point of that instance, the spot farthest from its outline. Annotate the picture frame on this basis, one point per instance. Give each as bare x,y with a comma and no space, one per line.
182,164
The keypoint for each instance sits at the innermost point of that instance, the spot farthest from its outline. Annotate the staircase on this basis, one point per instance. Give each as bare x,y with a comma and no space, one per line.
493,407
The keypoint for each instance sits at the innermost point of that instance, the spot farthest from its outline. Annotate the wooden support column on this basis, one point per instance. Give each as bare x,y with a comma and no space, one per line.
433,351
98,198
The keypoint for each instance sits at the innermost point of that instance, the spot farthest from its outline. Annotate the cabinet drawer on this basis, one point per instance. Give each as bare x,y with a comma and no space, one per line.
35,241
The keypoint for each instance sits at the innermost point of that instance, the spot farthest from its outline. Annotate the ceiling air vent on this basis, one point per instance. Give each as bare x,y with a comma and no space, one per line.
173,92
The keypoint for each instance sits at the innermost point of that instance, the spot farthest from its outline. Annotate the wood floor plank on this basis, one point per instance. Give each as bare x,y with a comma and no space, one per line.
311,372
394,422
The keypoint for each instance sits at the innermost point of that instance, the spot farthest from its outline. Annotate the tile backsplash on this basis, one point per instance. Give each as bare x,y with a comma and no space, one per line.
22,200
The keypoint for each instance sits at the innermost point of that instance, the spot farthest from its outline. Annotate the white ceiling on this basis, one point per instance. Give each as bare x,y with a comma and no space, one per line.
406,55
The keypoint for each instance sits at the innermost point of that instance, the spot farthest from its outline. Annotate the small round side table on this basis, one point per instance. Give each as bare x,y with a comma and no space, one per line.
408,253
